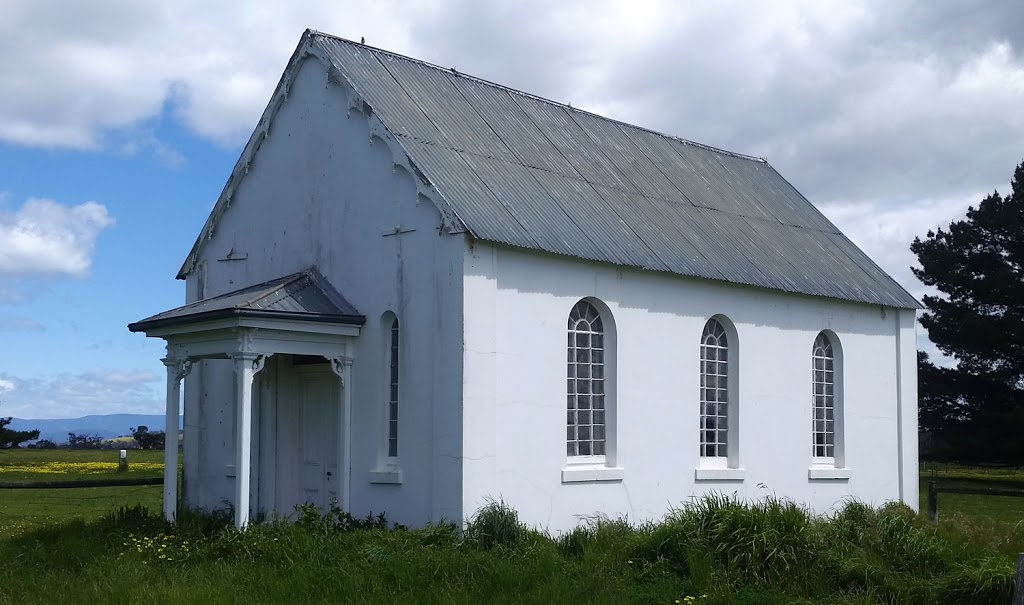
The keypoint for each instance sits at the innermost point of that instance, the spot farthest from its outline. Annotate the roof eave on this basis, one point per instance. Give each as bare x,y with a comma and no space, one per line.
245,313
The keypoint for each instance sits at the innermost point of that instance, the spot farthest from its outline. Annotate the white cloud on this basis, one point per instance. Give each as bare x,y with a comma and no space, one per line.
45,237
95,391
73,71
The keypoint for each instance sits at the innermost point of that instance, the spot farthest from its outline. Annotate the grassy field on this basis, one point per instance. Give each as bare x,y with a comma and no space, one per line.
26,509
710,552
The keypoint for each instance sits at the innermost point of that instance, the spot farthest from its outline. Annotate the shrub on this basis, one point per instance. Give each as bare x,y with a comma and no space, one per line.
496,524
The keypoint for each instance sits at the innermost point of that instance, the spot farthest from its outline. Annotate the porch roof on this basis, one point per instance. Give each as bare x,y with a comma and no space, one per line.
302,296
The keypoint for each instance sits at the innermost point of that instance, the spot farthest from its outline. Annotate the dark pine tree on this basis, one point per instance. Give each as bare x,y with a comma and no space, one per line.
10,438
975,412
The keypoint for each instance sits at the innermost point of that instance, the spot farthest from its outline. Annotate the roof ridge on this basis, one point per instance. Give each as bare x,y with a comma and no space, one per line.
282,282
455,72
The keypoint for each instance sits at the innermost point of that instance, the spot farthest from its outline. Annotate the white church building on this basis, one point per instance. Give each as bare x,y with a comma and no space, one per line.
420,291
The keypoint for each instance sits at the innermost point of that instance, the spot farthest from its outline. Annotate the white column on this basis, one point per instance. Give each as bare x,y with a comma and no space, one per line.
176,370
246,367
342,366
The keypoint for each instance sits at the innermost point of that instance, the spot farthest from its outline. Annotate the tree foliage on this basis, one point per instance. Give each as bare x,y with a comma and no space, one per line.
974,411
148,440
84,442
10,438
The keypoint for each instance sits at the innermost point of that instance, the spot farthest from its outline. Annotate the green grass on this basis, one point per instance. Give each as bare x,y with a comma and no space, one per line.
1000,510
768,553
26,509
110,546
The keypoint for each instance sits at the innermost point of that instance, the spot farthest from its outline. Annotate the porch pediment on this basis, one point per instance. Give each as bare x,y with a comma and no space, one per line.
304,296
300,314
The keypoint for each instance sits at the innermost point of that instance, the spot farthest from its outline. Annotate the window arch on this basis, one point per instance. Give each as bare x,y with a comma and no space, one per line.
826,399
714,390
586,381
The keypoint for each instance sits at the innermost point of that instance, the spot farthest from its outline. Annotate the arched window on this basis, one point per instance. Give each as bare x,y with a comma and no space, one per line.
585,385
714,391
823,403
392,439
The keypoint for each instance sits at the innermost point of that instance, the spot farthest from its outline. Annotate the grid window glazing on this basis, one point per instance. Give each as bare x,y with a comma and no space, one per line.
585,382
714,390
393,393
823,402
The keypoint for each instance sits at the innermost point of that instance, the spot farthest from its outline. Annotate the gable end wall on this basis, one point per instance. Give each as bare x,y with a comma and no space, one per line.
324,189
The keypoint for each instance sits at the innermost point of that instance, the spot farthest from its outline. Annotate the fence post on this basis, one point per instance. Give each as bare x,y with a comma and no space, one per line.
1018,582
933,503
122,462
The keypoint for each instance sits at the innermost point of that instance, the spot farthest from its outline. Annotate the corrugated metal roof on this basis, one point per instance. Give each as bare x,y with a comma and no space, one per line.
303,296
520,170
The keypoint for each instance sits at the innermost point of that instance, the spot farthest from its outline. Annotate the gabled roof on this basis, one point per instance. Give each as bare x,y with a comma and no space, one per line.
516,169
303,296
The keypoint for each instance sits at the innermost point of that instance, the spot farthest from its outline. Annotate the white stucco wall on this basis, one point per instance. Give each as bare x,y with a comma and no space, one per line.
321,190
517,305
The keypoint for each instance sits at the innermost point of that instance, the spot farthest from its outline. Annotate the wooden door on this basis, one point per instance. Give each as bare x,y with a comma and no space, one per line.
319,439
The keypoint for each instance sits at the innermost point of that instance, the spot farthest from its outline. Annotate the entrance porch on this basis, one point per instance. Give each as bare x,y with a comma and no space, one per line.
304,330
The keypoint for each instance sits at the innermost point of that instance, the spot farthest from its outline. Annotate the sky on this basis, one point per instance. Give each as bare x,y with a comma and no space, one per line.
121,120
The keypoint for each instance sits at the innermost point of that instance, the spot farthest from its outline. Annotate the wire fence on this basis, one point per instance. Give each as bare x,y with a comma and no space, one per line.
30,505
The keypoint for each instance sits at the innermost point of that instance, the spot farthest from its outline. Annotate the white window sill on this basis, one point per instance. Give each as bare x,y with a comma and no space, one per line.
392,476
592,474
829,473
719,474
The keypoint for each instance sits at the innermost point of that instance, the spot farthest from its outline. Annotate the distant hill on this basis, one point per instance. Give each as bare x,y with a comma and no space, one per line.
105,426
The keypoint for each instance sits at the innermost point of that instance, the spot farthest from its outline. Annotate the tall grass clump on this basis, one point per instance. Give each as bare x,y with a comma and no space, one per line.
761,542
496,525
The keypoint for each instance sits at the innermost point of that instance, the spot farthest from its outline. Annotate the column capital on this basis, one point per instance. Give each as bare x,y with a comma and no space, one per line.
258,360
177,367
339,365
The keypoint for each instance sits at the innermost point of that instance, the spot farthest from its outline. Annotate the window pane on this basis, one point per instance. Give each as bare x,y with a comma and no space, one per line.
584,381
